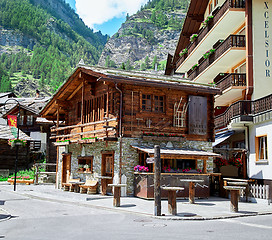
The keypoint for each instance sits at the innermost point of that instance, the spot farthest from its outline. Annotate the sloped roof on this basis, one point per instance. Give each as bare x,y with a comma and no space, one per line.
5,133
179,152
95,74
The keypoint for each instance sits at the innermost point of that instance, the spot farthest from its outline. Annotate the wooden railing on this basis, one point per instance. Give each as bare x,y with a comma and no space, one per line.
243,108
228,4
233,79
232,41
92,130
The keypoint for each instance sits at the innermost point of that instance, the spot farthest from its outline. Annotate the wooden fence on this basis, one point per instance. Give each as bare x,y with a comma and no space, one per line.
259,191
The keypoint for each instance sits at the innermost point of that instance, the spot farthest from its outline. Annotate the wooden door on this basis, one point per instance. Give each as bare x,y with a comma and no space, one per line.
107,168
66,167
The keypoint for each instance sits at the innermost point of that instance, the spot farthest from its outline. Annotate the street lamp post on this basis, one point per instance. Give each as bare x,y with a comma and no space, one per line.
16,146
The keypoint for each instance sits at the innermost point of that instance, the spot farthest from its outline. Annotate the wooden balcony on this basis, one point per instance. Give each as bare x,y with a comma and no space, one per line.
85,133
226,17
234,42
245,109
232,80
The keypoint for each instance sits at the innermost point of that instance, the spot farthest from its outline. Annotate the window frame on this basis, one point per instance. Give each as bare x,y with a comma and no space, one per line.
258,150
153,103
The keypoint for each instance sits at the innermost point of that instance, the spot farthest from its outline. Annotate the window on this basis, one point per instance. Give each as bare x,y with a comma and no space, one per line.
215,2
29,120
86,163
153,103
159,103
146,102
21,120
261,148
210,7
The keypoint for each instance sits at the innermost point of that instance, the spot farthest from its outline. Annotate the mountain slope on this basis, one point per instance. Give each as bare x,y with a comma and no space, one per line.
38,45
146,38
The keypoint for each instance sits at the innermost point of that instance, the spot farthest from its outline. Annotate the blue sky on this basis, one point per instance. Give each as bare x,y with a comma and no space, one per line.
105,15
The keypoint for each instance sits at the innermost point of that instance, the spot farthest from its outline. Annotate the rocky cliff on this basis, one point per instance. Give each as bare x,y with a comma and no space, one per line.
140,37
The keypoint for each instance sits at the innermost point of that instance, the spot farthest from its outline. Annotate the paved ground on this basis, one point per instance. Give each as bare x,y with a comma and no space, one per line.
203,209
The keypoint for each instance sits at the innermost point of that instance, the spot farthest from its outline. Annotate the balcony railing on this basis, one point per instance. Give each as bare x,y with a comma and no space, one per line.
233,79
243,109
230,42
87,132
228,4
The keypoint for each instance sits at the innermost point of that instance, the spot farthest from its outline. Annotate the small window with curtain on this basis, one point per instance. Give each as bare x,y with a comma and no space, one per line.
159,103
146,102
261,148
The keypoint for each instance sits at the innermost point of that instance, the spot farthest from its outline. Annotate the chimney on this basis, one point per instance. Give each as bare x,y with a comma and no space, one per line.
37,93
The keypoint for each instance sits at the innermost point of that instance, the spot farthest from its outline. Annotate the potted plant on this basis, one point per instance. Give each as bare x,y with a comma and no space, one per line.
206,21
193,37
87,167
16,142
80,167
183,52
194,67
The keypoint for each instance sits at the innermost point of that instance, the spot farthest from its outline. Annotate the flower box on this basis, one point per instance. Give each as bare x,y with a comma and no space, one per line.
27,182
175,139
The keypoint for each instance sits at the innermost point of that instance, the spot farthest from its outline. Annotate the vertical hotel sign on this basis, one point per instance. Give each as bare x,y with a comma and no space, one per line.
12,122
267,26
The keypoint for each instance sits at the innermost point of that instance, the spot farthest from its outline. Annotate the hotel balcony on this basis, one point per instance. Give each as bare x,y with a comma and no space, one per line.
231,86
245,111
227,18
228,53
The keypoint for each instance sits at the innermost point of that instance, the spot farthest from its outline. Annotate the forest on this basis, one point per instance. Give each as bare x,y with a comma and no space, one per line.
57,50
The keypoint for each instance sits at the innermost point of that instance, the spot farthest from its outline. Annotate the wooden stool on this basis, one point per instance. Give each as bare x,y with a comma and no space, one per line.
117,193
234,196
172,198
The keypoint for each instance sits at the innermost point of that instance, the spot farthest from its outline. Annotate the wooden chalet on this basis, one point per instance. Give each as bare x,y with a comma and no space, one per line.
113,118
32,125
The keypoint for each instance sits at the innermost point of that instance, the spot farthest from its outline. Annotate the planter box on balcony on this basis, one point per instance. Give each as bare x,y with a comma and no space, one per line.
162,138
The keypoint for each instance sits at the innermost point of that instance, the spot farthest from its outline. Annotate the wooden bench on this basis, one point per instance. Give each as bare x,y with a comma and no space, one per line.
69,186
90,187
239,183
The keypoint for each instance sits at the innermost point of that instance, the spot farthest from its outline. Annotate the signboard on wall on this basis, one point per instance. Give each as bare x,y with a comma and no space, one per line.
197,112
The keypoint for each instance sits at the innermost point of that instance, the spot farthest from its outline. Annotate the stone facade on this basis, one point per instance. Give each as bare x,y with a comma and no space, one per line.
130,157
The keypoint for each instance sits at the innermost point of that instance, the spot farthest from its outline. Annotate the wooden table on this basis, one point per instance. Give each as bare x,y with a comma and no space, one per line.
192,188
104,184
117,193
234,196
172,198
76,186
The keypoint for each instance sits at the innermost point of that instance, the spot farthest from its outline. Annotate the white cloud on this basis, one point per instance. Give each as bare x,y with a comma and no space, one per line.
100,11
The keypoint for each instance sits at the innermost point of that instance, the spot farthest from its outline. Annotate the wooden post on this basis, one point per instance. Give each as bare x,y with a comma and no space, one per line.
104,186
157,181
205,166
36,174
234,196
172,204
116,196
191,192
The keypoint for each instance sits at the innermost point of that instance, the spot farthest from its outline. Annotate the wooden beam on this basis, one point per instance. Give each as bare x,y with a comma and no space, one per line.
76,90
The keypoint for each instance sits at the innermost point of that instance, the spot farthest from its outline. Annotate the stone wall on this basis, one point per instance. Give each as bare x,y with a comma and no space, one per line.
130,156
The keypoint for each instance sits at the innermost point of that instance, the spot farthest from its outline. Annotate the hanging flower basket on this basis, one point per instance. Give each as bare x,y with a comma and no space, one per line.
17,142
